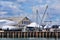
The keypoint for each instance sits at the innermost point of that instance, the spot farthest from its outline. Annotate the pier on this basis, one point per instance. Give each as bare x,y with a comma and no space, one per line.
18,34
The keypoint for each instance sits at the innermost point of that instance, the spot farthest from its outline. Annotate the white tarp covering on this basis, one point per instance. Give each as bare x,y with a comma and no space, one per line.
48,26
33,25
9,27
59,26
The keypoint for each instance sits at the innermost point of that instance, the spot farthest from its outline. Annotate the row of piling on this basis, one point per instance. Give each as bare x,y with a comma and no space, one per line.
18,34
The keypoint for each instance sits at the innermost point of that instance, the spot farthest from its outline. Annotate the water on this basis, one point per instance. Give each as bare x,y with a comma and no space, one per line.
29,39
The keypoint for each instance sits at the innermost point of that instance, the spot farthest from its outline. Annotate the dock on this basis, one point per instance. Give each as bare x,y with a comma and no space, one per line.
19,34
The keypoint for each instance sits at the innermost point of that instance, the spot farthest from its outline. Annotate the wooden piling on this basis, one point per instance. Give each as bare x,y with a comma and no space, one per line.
30,34
43,34
39,34
57,34
7,34
46,34
2,35
21,34
13,33
18,34
33,34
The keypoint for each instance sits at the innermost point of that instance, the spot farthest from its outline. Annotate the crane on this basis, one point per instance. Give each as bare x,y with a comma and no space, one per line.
42,20
43,16
37,16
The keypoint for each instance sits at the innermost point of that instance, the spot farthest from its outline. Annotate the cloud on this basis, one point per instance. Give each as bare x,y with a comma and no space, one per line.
2,13
39,1
57,22
54,4
10,7
40,8
53,10
15,8
21,0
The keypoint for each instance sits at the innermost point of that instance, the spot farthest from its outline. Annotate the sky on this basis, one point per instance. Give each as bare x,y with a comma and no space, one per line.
10,8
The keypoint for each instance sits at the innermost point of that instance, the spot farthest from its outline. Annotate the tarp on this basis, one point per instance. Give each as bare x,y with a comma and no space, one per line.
9,27
33,24
47,26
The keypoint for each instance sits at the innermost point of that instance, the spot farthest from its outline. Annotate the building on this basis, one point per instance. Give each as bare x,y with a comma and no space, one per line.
19,20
